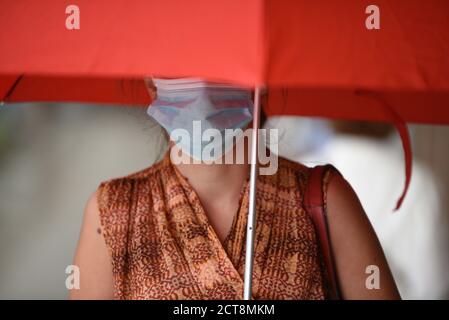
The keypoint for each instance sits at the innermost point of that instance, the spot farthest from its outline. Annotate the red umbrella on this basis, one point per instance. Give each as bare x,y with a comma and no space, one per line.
335,59
318,48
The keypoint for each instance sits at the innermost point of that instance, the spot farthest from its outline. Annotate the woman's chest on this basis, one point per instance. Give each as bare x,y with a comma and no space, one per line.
184,259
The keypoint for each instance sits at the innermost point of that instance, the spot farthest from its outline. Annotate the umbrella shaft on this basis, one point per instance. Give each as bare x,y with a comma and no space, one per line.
251,224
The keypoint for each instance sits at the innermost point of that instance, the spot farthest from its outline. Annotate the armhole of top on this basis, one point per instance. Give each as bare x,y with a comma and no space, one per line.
102,197
114,220
103,211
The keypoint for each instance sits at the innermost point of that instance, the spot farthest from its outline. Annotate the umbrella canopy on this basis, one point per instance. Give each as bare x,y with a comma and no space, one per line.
294,44
336,58
317,59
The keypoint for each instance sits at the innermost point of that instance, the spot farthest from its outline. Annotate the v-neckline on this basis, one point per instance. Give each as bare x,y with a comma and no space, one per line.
229,251
236,217
237,214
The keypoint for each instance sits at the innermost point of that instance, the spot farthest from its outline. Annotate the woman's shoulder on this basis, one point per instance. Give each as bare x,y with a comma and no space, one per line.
142,174
303,167
117,200
121,188
304,170
288,164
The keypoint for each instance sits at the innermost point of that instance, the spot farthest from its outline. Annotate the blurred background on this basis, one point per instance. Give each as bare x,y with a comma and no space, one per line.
53,156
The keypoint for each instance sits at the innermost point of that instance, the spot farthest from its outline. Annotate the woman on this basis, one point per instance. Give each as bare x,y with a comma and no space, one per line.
177,230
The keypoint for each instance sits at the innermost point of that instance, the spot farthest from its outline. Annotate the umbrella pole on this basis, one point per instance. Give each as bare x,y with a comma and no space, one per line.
251,224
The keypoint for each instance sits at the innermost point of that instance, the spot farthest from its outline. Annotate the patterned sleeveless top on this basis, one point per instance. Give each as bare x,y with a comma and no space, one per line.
163,247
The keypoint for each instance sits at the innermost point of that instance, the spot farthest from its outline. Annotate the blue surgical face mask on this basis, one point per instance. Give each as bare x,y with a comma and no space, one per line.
192,107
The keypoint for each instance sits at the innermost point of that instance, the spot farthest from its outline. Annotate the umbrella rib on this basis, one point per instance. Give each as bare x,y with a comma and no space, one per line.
13,87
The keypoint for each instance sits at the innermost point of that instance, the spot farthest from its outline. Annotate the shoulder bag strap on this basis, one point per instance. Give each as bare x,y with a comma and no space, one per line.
314,205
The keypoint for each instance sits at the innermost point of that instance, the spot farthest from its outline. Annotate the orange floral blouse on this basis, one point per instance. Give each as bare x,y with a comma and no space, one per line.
163,247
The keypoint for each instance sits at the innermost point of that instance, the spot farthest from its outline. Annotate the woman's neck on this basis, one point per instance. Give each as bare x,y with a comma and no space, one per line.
215,181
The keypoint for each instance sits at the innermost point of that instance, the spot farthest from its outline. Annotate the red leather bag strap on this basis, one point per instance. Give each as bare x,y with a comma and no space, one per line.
314,205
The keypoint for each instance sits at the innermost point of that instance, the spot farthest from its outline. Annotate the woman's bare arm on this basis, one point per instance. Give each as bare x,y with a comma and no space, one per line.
92,258
355,245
